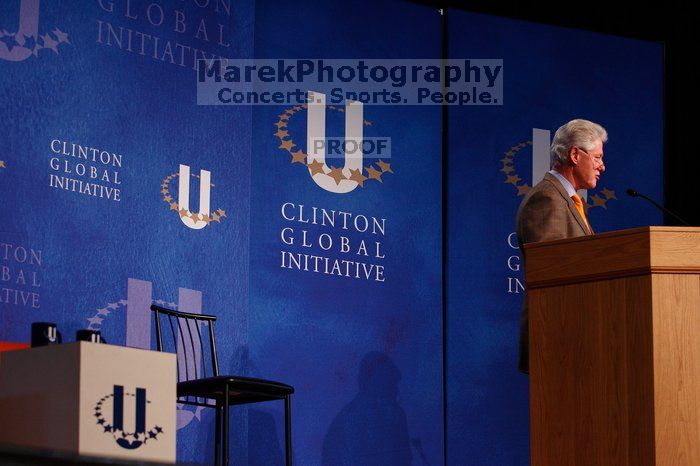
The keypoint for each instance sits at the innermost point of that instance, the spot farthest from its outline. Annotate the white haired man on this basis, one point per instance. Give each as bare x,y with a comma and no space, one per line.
552,209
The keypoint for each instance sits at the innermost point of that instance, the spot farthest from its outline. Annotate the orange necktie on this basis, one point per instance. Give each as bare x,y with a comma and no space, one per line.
579,207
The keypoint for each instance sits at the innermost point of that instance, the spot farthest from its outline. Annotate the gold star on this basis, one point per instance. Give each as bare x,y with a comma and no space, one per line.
509,153
356,175
281,124
297,108
337,175
168,198
284,117
173,206
512,179
316,167
529,143
506,160
368,123
385,167
289,111
299,157
183,212
507,169
514,148
281,134
215,217
221,212
374,173
522,190
599,201
2,164
194,216
206,219
332,107
341,110
609,194
164,192
287,145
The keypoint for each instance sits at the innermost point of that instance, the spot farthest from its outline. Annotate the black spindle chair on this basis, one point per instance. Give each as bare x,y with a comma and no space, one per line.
203,386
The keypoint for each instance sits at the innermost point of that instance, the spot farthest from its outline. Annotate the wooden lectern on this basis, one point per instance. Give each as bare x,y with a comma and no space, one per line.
615,348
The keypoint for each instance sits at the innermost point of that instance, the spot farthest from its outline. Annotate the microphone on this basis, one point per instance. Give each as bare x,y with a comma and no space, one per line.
633,193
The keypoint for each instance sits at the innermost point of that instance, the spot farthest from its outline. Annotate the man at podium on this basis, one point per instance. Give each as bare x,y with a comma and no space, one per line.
553,209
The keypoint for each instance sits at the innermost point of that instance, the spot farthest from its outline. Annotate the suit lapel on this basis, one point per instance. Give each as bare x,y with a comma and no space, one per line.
569,202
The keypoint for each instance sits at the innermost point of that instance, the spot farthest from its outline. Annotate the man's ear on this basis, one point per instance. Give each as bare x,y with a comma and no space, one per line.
573,156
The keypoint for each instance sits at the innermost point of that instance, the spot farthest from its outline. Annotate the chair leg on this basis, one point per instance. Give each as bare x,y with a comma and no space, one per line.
217,436
288,429
224,461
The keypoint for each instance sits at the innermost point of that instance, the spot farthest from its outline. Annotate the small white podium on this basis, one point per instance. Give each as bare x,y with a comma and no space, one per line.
90,399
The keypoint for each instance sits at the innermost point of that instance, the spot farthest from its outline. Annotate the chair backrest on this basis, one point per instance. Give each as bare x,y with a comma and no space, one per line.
187,342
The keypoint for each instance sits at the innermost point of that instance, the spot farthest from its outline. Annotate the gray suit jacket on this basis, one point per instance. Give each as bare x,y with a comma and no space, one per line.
547,213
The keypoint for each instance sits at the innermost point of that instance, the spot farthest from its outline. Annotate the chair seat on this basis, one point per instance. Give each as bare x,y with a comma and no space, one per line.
241,389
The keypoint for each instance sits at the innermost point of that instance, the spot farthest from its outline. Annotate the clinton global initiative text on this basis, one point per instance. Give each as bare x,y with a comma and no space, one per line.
318,234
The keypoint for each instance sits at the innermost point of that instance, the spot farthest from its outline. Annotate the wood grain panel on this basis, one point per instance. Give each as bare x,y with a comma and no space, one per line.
615,349
675,249
591,374
611,255
677,368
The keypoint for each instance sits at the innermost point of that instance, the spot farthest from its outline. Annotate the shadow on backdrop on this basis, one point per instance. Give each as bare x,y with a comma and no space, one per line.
371,429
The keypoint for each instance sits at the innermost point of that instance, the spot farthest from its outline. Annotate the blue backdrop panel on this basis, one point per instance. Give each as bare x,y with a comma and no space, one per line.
551,75
118,77
364,355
